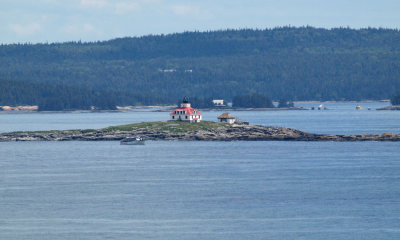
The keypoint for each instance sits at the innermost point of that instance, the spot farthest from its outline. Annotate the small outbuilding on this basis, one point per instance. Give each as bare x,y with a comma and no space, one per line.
227,118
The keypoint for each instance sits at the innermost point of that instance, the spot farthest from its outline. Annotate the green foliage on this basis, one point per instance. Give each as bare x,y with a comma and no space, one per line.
395,100
170,126
51,97
201,102
283,103
252,101
294,63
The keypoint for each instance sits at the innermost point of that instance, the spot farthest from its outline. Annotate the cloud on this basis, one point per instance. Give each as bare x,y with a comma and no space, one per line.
87,27
116,7
27,29
183,10
49,1
192,11
94,3
80,29
125,7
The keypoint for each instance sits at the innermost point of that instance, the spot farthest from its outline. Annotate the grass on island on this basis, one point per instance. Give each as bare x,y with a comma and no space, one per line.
55,131
161,126
170,126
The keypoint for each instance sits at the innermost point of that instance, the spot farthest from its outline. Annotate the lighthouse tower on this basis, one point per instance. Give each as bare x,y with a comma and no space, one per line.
186,113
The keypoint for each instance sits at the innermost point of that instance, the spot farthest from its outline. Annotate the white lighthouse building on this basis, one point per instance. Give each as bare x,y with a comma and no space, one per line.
186,113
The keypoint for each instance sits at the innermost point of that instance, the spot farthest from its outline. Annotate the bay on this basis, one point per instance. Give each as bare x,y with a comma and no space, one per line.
340,118
203,190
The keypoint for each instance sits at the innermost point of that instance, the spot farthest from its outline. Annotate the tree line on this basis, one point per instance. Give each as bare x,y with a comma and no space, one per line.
291,63
243,101
395,100
50,97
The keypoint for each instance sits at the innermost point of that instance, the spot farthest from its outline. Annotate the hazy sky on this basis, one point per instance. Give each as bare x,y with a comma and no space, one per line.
91,20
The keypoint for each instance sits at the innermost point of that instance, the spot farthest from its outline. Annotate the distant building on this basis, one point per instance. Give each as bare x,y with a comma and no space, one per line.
186,113
167,70
218,102
227,118
19,108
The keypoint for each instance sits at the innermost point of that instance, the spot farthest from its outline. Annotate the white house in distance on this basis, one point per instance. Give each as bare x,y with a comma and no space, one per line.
218,102
227,118
186,113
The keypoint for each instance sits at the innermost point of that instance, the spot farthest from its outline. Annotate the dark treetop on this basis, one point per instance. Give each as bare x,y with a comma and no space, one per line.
282,63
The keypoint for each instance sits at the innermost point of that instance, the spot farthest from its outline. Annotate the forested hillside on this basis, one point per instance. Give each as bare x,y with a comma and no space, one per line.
292,63
61,97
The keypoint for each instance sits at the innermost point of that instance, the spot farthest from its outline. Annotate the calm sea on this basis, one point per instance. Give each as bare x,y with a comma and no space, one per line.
340,118
203,190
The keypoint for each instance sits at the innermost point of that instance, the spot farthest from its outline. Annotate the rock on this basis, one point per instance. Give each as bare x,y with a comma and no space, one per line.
235,132
394,107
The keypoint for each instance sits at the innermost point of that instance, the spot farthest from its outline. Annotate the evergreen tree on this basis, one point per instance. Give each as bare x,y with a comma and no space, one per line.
293,63
283,103
252,101
395,100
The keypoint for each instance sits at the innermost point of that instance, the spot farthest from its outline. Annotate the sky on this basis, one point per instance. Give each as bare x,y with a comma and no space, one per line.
42,21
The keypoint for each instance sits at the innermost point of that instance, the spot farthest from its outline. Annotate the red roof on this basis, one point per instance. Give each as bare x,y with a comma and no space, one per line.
188,111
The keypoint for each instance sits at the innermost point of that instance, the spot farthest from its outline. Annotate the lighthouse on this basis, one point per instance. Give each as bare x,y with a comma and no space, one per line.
186,113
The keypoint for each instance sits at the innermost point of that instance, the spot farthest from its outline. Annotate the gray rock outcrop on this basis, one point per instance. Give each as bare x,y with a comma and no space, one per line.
232,133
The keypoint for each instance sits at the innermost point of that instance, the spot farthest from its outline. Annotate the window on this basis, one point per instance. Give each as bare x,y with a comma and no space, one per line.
173,117
186,117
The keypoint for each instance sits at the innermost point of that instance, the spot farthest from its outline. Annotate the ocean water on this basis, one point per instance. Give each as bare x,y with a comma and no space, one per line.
340,118
203,190
200,190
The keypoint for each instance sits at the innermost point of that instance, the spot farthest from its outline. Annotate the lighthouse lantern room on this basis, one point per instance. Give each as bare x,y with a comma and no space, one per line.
186,113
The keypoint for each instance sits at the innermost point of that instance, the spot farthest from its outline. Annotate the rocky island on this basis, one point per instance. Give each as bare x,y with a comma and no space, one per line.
203,131
393,107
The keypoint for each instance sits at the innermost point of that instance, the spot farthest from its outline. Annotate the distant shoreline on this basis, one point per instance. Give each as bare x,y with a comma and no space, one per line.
362,101
166,108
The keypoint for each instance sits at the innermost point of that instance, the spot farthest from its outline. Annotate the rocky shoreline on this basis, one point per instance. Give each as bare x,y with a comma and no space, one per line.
219,132
394,107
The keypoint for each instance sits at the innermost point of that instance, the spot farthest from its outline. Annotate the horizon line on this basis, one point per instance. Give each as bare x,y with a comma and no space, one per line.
202,31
